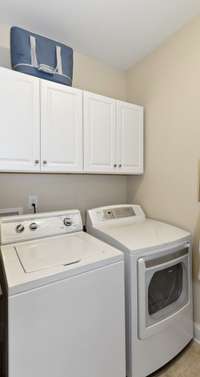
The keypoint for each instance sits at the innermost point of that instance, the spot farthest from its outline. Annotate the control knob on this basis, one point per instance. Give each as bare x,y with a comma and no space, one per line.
67,221
33,226
19,228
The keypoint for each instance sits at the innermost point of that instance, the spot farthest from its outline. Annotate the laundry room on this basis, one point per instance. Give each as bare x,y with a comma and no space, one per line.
99,188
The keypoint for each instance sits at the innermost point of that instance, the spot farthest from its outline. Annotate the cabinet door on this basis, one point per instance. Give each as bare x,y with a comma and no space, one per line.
61,128
130,138
99,133
20,122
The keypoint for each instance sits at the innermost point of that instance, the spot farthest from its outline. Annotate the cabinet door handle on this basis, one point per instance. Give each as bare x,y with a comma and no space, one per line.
37,162
120,165
115,165
44,162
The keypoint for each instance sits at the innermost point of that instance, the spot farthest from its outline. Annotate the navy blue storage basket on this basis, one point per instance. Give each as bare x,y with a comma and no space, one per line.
41,57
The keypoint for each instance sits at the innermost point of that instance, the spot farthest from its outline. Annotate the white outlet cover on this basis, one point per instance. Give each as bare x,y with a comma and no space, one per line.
32,199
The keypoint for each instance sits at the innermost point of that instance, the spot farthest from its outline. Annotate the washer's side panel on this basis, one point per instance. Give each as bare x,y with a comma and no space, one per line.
72,328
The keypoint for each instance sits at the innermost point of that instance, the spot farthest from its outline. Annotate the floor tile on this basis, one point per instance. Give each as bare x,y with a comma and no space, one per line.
187,364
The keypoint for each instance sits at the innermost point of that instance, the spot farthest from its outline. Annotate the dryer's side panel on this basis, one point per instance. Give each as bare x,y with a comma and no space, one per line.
74,327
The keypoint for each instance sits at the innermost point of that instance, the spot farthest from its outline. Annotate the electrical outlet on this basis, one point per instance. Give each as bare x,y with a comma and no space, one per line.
32,199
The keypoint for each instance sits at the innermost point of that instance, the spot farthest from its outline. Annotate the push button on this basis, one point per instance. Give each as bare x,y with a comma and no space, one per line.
67,221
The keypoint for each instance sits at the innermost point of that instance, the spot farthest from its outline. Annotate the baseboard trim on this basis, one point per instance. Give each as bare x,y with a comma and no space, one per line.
197,332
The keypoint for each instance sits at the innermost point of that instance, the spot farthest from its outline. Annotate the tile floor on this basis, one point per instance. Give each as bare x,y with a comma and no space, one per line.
187,364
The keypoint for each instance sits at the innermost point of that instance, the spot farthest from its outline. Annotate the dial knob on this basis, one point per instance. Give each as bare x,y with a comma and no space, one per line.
33,226
19,228
67,221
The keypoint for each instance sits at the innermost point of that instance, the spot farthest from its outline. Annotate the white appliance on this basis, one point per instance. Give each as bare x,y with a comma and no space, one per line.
64,291
159,321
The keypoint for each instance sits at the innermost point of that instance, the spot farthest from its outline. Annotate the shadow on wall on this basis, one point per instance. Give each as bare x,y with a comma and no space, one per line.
134,184
4,57
196,249
196,237
196,267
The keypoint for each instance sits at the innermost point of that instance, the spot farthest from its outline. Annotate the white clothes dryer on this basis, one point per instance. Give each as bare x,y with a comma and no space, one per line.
158,276
63,295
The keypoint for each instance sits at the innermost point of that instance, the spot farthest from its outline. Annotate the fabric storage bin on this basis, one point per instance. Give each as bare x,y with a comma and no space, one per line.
40,56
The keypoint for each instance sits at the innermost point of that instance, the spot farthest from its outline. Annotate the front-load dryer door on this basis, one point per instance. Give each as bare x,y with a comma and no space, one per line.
163,288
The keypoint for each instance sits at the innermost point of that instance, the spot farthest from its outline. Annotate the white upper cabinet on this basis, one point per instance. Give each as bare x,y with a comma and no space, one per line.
130,138
49,127
61,128
20,122
99,134
113,136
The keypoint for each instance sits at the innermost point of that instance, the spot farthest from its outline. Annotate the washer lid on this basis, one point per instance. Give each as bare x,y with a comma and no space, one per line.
143,235
49,253
32,264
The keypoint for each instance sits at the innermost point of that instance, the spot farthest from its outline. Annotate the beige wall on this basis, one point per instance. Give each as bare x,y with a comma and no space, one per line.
167,83
68,191
60,191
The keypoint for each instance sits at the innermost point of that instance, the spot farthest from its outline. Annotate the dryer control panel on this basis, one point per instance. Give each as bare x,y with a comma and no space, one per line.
125,213
23,228
118,213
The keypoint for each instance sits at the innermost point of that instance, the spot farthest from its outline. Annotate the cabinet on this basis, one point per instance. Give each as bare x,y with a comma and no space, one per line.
49,127
61,128
99,133
20,122
130,138
113,136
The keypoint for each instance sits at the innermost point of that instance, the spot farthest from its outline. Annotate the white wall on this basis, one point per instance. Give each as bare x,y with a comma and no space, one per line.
68,191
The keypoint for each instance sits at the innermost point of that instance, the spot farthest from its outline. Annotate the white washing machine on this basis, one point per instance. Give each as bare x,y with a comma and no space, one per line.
159,318
63,291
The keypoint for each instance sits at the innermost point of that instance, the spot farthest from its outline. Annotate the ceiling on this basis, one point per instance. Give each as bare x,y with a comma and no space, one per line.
118,32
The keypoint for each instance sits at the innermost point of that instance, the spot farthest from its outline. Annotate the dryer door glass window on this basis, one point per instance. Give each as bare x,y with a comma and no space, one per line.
165,288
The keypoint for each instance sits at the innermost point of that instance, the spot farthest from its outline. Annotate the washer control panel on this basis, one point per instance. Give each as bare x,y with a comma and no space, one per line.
27,227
